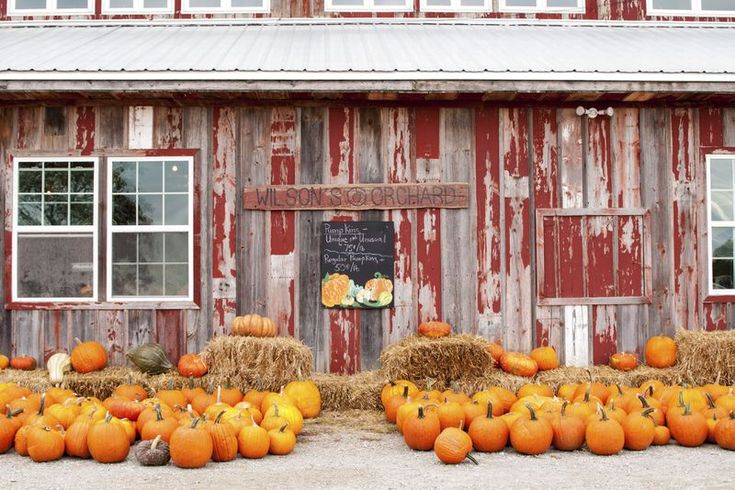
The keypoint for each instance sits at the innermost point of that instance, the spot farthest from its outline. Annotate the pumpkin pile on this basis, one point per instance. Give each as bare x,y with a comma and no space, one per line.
605,419
190,427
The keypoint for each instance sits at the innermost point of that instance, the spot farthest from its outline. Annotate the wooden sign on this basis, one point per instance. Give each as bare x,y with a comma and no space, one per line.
357,196
357,264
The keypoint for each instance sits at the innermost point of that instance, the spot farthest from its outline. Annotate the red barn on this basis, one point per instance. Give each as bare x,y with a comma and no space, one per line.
596,140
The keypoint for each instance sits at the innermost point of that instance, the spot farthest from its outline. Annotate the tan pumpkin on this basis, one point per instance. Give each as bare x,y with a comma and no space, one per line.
254,326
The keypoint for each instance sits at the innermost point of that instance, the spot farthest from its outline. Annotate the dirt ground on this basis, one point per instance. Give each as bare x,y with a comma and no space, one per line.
337,453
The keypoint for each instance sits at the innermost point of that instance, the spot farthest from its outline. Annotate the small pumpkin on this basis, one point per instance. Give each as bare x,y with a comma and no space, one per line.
451,414
434,329
545,358
45,444
394,403
108,442
9,425
531,435
161,427
495,350
518,364
87,357
688,428
661,435
623,361
253,441
57,365
421,429
604,436
396,388
191,446
172,397
224,442
26,363
661,351
488,434
21,440
131,392
153,453
75,438
254,325
724,432
123,408
282,441
568,430
150,359
453,446
289,413
192,366
306,396
4,361
640,429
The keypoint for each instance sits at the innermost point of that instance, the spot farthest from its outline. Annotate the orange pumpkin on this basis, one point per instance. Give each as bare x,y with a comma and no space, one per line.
604,436
253,441
531,435
661,352
192,366
108,441
254,326
191,446
518,364
688,428
495,350
421,429
87,357
434,329
488,434
545,358
282,440
4,361
26,363
453,445
640,430
724,432
623,361
568,430
45,444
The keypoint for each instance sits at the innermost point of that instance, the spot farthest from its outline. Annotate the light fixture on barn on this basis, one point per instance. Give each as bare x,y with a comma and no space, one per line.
593,113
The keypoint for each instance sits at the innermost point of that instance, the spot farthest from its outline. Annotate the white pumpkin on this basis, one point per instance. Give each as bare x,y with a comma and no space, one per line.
57,365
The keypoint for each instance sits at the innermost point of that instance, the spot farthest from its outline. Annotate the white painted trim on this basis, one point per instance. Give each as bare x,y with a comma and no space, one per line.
457,7
51,9
695,11
156,228
226,7
711,291
542,7
368,6
57,230
137,8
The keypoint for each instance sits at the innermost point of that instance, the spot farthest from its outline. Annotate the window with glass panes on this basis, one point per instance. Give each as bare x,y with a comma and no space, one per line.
691,7
55,7
456,5
368,5
541,6
149,237
721,217
245,6
137,6
55,229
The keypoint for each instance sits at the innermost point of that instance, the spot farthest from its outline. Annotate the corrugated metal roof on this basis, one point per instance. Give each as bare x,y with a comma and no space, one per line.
368,50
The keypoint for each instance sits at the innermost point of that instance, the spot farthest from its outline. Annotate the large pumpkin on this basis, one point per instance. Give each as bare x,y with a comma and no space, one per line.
306,396
661,352
545,358
87,357
192,366
434,329
254,326
518,364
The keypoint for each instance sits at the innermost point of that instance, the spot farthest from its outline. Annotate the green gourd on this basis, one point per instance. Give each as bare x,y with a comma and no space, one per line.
150,359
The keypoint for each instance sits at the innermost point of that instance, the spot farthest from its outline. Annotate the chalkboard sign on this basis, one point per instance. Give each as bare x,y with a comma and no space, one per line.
357,264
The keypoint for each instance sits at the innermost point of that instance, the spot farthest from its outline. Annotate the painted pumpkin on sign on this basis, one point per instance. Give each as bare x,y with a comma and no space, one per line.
434,329
335,288
378,285
254,326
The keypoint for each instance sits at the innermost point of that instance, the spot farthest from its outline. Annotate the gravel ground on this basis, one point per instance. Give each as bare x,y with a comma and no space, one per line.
328,456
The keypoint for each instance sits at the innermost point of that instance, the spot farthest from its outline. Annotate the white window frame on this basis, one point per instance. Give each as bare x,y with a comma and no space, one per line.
711,291
695,11
137,8
542,6
51,9
55,230
368,6
226,7
189,228
456,6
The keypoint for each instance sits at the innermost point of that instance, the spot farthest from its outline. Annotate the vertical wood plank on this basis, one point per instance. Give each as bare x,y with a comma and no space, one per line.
84,129
459,270
549,328
167,127
313,330
370,170
571,177
344,325
6,132
115,335
487,200
428,233
111,126
396,136
518,317
140,127
169,324
141,327
281,283
224,234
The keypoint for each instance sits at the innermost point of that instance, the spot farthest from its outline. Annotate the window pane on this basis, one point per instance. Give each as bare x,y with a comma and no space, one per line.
247,3
718,5
389,3
124,248
722,274
672,4
150,247
81,214
177,247
71,4
472,3
124,280
347,3
56,181
177,209
150,280
123,177
154,4
29,214
82,181
177,280
520,3
150,177
562,3
55,214
721,205
30,4
85,198
123,210
720,173
722,242
438,3
177,176
29,181
204,3
68,275
150,209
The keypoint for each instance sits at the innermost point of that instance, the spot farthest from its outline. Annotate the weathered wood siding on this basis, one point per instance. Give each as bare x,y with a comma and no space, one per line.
475,267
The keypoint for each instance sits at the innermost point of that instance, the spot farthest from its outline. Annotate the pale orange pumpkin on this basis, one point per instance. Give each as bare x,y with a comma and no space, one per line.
545,358
623,361
518,364
434,329
254,326
661,352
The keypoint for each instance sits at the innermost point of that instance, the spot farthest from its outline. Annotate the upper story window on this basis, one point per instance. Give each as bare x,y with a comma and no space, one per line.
721,221
691,7
542,6
456,5
137,6
243,6
50,7
368,5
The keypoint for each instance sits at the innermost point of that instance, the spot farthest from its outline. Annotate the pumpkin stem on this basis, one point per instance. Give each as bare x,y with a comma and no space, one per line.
77,340
620,390
219,417
461,425
194,423
489,409
564,408
10,413
472,458
732,415
650,390
43,404
603,415
644,403
155,442
532,411
108,418
159,414
421,411
405,392
710,400
687,409
283,428
219,394
647,412
681,399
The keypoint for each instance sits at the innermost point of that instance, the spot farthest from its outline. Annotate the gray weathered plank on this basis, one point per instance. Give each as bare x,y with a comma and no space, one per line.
6,131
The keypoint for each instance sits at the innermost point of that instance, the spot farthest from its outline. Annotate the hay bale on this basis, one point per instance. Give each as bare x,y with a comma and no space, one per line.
705,357
358,391
494,377
265,362
443,359
668,376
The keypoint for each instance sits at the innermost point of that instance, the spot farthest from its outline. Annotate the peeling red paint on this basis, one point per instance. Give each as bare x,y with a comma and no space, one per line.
427,132
85,130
